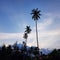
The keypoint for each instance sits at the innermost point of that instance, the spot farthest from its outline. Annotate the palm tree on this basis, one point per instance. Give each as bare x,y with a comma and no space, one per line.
27,31
36,15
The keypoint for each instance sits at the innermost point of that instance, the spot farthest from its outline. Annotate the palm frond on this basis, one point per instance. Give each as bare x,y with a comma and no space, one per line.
35,14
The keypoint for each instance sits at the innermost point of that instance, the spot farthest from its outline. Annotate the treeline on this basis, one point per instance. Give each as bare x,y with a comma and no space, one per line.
54,55
14,53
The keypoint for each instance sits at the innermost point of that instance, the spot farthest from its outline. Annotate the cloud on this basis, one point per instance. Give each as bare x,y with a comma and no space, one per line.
10,35
48,38
45,24
10,38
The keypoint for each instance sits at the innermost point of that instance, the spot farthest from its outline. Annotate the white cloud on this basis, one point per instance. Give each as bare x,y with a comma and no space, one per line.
10,35
47,38
10,38
45,24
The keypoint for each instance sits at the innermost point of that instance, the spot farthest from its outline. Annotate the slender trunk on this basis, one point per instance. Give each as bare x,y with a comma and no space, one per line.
26,42
37,34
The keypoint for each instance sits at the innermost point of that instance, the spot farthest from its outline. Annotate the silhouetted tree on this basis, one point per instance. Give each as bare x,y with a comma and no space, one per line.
36,15
55,55
4,49
27,31
24,47
9,49
4,52
15,46
25,37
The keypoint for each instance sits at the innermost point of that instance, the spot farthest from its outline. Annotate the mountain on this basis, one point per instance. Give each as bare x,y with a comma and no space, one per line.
44,51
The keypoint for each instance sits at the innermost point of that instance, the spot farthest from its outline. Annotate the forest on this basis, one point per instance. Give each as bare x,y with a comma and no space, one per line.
14,53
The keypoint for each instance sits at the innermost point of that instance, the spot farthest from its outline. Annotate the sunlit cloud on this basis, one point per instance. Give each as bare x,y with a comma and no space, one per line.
10,35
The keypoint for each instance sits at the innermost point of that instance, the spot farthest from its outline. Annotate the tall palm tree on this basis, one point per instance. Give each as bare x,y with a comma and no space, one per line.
36,15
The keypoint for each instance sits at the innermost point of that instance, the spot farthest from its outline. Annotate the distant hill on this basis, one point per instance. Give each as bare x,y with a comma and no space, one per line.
44,51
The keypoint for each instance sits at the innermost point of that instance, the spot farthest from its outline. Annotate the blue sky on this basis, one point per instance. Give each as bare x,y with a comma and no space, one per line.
15,15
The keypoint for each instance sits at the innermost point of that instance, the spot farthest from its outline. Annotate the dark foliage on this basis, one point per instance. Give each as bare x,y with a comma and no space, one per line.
9,53
36,14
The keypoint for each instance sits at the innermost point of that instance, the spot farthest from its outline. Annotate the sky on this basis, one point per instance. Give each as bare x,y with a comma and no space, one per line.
15,15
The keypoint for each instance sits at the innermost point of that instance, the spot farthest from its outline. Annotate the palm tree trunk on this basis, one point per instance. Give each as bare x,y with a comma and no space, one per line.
26,42
37,34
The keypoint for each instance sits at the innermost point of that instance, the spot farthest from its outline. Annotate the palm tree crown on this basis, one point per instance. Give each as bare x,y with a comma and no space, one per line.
28,30
35,14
